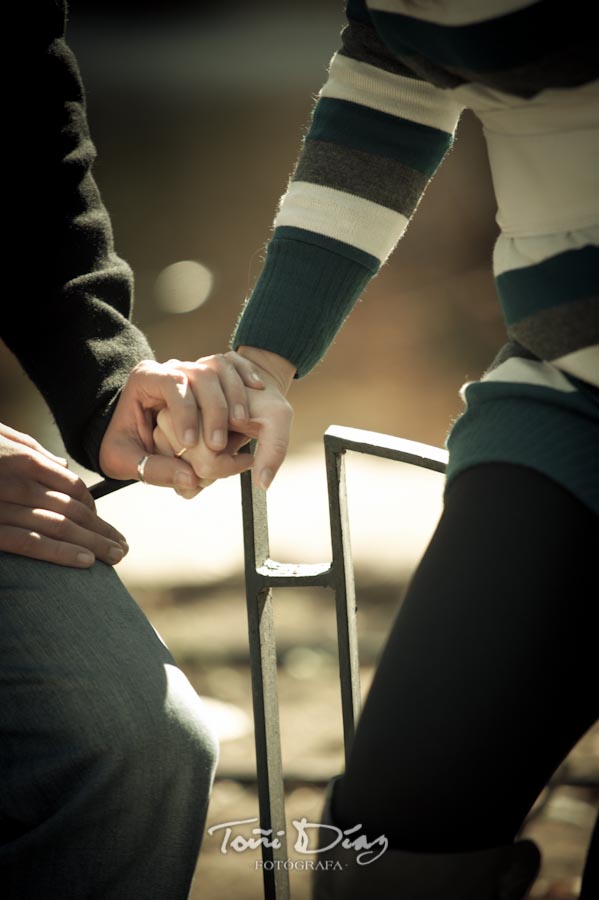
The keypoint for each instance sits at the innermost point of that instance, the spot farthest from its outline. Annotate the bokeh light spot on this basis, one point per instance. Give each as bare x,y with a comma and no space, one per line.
183,286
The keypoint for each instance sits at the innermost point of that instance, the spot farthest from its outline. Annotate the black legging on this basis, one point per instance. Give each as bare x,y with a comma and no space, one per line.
489,676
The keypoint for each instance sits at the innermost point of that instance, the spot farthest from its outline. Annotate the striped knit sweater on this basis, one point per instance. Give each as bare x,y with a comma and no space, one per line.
383,122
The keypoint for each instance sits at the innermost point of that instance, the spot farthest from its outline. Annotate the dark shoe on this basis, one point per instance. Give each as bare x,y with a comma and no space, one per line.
500,873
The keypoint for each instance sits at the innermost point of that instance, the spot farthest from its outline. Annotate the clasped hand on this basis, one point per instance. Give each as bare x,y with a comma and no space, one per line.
188,419
227,423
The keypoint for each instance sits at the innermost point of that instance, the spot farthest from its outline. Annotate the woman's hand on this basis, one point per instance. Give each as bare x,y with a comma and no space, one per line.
46,512
271,414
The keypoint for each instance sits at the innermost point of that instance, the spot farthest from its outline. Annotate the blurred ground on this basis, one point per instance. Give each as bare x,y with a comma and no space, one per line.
206,629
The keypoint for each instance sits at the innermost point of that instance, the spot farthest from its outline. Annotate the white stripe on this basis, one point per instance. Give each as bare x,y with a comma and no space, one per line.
583,364
529,371
363,224
520,252
396,95
450,12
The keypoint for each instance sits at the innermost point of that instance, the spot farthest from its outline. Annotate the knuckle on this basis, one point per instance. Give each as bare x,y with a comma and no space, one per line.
81,493
21,542
28,465
163,418
144,367
211,376
278,446
58,525
24,491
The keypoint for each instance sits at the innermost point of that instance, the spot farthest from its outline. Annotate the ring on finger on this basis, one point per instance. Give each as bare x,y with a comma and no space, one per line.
181,452
141,468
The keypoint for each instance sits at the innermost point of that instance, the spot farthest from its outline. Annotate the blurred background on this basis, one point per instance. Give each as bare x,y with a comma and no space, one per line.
197,110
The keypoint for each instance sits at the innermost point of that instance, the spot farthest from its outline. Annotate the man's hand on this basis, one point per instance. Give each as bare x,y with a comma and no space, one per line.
216,385
46,512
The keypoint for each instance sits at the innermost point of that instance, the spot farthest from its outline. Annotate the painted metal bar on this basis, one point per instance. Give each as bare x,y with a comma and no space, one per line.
263,665
345,592
337,440
262,574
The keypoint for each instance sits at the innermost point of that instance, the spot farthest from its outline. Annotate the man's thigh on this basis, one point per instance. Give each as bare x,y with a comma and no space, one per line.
103,742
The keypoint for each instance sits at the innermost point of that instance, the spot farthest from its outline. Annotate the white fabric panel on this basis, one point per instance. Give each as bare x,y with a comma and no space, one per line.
519,252
544,157
396,95
545,183
583,364
345,217
529,371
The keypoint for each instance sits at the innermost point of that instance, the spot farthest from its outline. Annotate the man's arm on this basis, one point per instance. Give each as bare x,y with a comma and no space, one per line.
69,324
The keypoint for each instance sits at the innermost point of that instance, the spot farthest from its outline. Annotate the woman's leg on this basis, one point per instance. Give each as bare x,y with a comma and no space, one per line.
489,675
105,756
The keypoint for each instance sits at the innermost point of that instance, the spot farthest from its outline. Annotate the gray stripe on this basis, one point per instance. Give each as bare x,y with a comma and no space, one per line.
384,181
509,351
566,67
361,42
561,330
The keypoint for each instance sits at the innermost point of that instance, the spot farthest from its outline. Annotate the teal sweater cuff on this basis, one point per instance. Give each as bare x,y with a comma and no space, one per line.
307,288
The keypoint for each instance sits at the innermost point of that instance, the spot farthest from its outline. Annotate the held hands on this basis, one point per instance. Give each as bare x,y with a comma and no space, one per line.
267,418
177,391
203,411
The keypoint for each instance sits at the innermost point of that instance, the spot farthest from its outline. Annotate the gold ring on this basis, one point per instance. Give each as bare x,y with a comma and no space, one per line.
141,467
181,452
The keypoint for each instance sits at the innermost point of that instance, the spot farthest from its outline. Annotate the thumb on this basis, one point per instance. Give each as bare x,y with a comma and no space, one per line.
271,450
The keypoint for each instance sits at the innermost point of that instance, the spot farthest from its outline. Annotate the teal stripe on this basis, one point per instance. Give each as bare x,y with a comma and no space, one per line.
502,42
549,431
353,125
356,9
331,244
571,275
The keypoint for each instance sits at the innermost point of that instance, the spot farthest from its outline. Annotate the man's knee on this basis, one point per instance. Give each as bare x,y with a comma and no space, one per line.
92,698
152,734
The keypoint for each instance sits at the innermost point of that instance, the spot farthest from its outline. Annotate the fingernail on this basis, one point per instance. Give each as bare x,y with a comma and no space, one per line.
124,545
255,377
218,438
190,438
239,413
115,554
266,477
184,479
85,558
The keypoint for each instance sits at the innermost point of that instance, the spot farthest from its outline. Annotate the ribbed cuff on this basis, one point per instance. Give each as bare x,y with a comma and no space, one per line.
304,293
560,439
